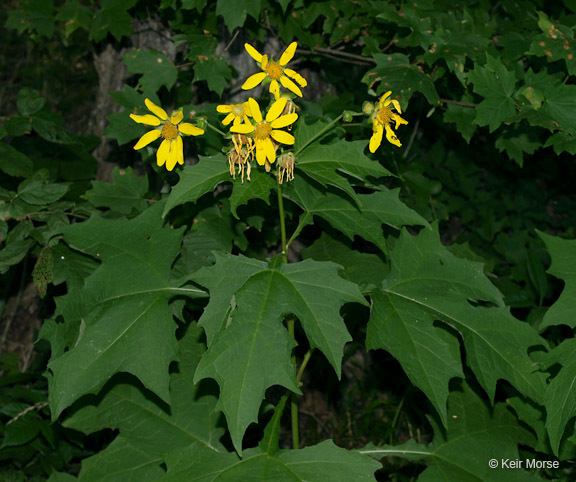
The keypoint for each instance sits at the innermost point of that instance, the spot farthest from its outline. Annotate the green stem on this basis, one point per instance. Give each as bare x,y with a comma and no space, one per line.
282,221
313,138
215,129
304,363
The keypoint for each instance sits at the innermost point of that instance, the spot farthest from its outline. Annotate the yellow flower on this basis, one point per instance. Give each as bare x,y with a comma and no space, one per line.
266,130
236,112
171,151
275,71
382,118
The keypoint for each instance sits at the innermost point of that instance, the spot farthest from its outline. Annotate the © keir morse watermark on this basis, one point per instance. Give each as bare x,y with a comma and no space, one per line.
523,464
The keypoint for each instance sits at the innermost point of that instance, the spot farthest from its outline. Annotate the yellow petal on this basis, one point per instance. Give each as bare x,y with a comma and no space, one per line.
255,109
284,120
384,97
396,104
264,62
269,150
223,109
286,82
229,118
288,54
172,157
176,117
163,152
179,150
260,153
282,137
152,107
276,109
257,56
246,106
391,136
242,128
296,76
254,80
147,139
190,130
376,138
399,121
148,119
275,89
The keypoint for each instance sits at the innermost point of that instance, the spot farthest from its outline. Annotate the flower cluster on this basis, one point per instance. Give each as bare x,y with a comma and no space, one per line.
256,135
253,134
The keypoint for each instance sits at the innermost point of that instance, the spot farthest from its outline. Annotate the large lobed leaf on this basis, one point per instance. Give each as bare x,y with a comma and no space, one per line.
427,285
361,214
148,429
249,349
123,315
475,435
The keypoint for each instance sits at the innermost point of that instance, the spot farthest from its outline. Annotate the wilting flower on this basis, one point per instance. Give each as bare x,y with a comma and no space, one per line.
382,118
171,151
236,113
286,167
266,130
241,155
275,71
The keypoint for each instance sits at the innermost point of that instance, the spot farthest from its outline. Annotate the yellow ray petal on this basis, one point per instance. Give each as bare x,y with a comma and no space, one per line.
282,137
223,109
147,139
255,109
254,80
179,150
399,121
288,54
264,62
190,130
276,109
148,119
152,107
247,110
242,128
391,136
163,152
396,104
228,119
384,97
286,82
269,150
172,157
260,153
257,56
296,76
176,117
376,138
275,89
284,120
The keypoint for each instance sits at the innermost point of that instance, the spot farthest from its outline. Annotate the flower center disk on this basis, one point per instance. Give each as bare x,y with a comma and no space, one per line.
169,131
262,131
384,115
238,110
274,70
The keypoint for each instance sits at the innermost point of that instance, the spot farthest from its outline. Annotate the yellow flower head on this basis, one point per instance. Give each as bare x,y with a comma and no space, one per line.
275,71
382,118
236,113
171,151
266,130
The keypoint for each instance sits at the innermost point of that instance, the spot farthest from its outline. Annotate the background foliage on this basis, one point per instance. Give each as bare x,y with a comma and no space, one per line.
423,317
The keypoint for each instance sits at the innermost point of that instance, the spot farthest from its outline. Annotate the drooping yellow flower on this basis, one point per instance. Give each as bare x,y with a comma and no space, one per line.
267,130
236,113
275,71
171,151
382,118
